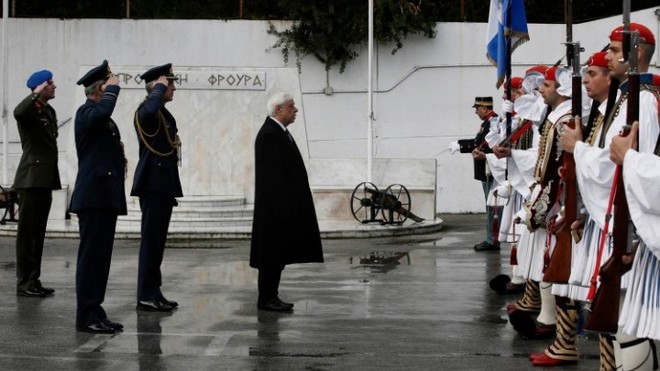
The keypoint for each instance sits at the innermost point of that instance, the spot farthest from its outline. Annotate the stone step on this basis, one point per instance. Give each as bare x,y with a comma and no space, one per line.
199,202
176,222
245,211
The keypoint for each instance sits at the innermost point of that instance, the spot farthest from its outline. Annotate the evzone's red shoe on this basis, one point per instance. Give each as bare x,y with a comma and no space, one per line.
536,355
544,361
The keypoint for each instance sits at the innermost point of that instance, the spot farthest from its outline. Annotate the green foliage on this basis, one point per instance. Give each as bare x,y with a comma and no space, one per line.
331,30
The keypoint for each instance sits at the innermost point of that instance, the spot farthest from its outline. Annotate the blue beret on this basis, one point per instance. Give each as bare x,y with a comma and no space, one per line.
156,72
39,78
97,73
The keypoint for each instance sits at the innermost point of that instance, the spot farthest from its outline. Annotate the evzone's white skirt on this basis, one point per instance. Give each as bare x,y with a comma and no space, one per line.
640,314
531,248
583,262
510,231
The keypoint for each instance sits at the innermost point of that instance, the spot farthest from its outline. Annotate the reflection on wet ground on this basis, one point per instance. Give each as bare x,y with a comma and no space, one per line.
381,261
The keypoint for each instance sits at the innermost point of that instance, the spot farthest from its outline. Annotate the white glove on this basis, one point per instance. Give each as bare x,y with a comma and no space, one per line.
503,191
453,147
507,106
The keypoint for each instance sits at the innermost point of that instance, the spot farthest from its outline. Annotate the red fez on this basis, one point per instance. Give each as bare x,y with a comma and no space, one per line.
656,80
516,82
645,35
538,69
550,74
598,60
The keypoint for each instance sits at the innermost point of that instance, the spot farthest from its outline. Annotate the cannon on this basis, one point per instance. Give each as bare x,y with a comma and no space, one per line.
8,201
393,204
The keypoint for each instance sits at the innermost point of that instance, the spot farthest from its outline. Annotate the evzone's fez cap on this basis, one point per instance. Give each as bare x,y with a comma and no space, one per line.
97,73
156,72
598,60
645,35
483,102
515,82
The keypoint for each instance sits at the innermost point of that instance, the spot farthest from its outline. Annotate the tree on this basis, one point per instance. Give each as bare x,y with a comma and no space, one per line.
330,30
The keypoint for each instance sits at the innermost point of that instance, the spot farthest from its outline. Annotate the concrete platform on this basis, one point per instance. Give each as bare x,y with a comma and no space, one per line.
207,236
417,302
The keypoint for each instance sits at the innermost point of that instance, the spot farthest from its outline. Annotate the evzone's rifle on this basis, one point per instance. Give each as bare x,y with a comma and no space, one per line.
558,269
604,307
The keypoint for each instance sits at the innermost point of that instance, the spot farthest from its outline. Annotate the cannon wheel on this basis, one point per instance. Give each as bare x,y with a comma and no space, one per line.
363,207
395,204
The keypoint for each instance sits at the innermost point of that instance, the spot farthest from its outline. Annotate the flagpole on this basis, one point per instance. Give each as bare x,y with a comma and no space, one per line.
507,73
370,113
3,90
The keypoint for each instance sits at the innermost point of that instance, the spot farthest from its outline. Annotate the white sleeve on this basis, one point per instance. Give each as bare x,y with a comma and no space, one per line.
641,175
594,172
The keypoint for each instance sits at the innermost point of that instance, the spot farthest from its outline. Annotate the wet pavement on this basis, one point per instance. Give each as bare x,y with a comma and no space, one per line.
400,303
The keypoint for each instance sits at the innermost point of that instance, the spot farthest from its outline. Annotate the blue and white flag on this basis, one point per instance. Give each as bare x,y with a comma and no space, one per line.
503,24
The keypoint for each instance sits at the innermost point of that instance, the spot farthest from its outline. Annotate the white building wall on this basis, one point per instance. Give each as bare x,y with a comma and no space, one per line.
423,93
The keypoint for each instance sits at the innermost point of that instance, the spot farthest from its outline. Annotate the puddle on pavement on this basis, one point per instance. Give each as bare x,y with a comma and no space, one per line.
380,261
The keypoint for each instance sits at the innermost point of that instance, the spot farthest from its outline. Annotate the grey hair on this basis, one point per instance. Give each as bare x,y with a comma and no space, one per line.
91,90
277,100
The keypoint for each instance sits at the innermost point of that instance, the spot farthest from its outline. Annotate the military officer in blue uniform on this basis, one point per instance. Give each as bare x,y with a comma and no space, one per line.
98,197
36,177
156,183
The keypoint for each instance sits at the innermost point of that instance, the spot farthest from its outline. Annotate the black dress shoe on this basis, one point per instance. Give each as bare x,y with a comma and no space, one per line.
46,290
485,246
275,305
153,306
96,328
31,293
290,305
171,303
114,325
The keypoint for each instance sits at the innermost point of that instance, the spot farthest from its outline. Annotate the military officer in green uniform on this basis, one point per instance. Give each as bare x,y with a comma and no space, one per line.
36,177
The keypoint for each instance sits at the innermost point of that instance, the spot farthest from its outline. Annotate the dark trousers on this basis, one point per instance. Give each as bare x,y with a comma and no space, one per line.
156,214
97,235
34,206
269,283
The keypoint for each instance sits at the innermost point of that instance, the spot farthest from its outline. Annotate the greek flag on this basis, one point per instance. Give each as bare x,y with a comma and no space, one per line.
502,24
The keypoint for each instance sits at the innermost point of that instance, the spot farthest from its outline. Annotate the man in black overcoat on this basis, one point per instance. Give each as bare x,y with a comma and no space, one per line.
156,183
36,177
285,229
98,197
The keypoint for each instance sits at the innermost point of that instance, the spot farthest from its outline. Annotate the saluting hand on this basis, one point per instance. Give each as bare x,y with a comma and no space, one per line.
41,87
620,145
570,136
162,80
112,80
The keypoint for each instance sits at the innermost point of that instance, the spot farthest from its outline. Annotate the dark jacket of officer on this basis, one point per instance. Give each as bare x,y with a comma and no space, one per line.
479,139
156,172
37,127
101,161
285,229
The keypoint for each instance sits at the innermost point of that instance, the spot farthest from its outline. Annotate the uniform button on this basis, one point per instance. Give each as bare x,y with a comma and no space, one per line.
37,161
109,172
159,164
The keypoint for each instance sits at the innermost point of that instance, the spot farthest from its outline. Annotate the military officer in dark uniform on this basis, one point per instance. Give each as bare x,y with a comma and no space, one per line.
285,229
98,196
36,177
156,183
483,107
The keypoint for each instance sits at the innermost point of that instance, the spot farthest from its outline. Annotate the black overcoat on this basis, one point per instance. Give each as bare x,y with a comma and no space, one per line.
284,229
